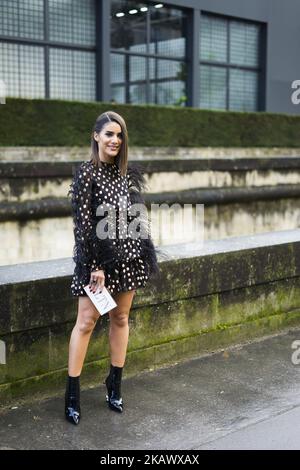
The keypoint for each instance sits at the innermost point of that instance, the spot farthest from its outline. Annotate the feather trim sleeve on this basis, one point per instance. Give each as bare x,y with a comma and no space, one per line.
136,185
81,195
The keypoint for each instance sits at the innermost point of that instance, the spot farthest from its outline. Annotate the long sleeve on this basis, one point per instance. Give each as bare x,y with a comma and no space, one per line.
81,196
136,185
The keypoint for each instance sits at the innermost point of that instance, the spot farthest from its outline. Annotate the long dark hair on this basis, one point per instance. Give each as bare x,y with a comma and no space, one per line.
122,158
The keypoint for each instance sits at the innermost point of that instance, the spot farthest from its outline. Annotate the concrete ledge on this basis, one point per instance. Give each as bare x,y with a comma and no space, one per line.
48,168
60,207
35,209
219,196
225,292
63,154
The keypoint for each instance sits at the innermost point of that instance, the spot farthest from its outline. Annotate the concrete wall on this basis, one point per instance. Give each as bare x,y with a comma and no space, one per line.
204,300
239,196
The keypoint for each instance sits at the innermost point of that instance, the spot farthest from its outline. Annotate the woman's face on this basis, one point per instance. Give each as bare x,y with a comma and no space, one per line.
109,140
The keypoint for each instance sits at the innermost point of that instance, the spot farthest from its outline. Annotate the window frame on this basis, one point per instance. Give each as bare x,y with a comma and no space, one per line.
47,43
259,69
148,56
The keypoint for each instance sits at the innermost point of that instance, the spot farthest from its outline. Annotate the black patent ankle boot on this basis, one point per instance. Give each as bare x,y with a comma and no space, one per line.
113,385
72,400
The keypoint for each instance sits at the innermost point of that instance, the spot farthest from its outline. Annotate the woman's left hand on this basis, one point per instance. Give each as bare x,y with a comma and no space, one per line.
97,280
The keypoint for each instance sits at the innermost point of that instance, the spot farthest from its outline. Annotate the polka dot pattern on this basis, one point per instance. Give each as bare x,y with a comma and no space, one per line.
128,271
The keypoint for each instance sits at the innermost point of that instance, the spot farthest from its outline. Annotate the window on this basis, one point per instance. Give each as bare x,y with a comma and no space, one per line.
148,50
22,65
72,21
230,65
22,18
65,50
22,70
72,74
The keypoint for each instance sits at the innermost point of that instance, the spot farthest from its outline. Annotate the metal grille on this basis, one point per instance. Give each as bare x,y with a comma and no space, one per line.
243,90
72,74
9,68
22,18
213,39
23,67
137,69
230,64
244,44
118,78
212,87
117,68
72,21
22,70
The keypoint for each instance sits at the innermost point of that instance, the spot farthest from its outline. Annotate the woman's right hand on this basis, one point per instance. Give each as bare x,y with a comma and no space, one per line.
99,278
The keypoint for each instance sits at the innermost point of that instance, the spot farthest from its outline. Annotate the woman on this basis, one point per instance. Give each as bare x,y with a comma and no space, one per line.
107,254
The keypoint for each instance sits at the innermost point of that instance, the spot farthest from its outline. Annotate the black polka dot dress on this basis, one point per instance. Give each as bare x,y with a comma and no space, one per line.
128,260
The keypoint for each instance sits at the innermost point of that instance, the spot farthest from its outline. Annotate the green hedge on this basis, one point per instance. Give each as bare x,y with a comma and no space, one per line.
67,123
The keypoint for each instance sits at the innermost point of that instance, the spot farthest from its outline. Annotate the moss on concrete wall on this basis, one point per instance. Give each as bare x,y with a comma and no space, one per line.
160,333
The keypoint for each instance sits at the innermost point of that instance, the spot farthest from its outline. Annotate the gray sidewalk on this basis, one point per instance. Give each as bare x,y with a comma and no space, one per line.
246,397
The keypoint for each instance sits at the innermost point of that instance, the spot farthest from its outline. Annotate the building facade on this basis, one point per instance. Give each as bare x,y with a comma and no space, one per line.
236,55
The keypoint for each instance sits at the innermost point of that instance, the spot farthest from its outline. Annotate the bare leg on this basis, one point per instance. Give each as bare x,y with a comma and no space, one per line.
80,336
119,328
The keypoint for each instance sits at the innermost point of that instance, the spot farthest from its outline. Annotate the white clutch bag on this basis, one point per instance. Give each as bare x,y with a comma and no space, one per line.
102,300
